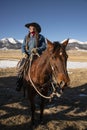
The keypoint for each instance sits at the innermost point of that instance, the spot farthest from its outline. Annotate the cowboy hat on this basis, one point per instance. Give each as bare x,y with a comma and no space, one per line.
36,25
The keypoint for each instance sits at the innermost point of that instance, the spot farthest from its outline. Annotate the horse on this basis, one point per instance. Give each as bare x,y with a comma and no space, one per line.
48,68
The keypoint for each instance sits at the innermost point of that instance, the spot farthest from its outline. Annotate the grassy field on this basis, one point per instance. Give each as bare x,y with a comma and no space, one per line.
75,55
10,54
17,54
66,113
69,112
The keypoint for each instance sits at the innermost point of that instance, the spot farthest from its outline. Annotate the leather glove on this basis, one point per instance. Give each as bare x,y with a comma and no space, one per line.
34,50
25,55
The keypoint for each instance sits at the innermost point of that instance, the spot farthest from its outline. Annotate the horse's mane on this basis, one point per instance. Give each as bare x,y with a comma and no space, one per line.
46,53
57,45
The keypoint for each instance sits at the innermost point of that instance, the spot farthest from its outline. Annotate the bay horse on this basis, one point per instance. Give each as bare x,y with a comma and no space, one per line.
50,66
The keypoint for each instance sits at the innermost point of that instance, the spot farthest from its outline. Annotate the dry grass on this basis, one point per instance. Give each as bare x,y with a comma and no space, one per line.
8,72
16,54
10,54
77,77
66,113
77,55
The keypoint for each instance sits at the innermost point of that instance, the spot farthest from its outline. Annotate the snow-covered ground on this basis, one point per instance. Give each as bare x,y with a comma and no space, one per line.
13,63
8,63
74,65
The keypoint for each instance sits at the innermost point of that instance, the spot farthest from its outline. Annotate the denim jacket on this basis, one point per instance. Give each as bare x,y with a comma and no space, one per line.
32,44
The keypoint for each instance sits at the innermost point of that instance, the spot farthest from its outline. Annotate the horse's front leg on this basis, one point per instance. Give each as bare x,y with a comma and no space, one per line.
31,97
45,92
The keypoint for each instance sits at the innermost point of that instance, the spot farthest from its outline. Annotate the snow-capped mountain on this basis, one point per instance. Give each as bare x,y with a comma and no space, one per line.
76,45
10,43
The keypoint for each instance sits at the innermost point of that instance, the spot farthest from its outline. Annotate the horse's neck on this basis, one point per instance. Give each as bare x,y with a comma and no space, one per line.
43,62
40,69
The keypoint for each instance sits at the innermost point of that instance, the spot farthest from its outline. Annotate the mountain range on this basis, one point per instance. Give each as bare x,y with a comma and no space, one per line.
76,45
11,43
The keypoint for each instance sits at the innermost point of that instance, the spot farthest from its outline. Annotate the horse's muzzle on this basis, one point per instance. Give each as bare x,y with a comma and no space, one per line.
63,85
60,86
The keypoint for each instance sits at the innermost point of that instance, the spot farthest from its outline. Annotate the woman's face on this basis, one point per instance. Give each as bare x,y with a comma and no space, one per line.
32,29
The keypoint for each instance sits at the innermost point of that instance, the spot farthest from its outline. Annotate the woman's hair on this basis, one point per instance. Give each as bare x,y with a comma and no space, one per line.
28,38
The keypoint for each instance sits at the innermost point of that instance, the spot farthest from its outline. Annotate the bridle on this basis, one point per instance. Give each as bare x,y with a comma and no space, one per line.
54,80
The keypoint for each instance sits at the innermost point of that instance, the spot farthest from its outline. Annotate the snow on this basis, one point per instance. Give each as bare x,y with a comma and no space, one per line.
21,41
4,48
13,63
11,40
74,65
74,41
8,63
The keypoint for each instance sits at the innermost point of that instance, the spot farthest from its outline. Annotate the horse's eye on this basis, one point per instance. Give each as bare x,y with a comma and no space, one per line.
60,53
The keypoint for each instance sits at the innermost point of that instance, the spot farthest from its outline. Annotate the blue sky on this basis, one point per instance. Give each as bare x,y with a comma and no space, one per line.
59,19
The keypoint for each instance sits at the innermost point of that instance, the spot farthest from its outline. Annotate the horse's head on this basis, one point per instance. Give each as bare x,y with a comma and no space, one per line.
58,62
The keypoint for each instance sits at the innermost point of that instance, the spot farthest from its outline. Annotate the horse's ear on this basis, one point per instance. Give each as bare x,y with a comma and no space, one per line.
49,45
64,44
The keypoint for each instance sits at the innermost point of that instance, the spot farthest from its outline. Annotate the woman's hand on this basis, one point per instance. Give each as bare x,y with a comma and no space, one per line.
25,55
34,50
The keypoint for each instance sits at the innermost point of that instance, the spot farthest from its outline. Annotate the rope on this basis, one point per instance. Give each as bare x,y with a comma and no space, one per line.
47,97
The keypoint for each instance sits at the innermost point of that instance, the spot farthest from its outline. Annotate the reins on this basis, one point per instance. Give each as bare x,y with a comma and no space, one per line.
46,97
